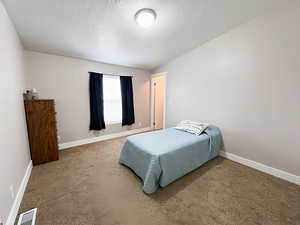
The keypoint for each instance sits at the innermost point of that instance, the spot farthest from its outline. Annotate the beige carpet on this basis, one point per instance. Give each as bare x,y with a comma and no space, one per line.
87,186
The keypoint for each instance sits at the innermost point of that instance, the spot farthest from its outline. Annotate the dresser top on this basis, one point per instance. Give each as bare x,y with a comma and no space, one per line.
38,100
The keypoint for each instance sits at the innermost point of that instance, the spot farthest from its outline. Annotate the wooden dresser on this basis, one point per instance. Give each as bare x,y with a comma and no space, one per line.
42,133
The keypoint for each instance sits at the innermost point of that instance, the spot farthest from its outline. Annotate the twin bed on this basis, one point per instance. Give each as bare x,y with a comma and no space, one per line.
161,157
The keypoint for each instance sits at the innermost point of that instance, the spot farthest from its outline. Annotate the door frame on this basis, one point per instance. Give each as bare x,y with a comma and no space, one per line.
162,74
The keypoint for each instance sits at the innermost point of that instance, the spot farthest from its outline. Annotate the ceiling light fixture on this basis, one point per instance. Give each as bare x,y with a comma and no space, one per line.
145,17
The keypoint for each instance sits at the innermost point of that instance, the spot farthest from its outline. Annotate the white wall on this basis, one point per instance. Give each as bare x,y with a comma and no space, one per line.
15,156
247,82
66,80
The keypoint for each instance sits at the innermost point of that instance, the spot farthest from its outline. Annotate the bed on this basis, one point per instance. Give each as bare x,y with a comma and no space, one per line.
161,157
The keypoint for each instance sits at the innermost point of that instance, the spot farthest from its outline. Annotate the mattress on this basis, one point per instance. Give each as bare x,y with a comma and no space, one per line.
161,157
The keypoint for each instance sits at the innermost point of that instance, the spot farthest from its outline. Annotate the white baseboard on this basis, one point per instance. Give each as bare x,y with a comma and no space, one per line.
102,138
261,167
17,202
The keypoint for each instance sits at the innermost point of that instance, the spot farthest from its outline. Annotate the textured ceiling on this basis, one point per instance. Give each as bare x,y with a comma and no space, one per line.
105,30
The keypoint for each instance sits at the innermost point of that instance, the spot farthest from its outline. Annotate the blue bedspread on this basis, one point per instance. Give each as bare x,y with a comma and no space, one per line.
161,157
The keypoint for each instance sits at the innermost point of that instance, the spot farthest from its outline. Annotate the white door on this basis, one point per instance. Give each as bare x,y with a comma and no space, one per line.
158,88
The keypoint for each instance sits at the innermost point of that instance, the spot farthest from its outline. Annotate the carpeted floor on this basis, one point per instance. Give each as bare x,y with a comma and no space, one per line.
87,186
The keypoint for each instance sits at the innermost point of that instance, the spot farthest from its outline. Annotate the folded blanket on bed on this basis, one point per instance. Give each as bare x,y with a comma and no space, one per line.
192,127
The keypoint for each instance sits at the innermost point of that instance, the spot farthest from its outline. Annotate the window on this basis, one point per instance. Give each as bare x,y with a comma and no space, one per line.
112,99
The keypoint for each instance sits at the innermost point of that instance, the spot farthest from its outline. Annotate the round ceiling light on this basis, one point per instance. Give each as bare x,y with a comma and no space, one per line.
145,17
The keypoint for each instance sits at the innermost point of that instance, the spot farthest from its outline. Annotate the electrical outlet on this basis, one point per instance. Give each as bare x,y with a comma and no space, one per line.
12,192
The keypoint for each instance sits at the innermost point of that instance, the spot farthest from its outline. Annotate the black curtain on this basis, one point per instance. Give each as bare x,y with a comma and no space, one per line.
127,101
96,101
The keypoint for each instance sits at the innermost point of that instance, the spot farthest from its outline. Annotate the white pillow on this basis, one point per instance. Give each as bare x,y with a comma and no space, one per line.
192,127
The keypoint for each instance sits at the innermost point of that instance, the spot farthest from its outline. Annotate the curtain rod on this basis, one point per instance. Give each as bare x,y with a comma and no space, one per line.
111,74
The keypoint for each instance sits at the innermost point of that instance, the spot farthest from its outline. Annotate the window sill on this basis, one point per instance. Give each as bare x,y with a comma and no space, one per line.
113,122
